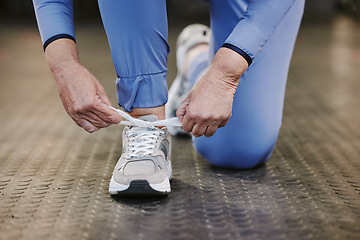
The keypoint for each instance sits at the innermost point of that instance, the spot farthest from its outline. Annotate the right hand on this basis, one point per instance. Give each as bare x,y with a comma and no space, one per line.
82,95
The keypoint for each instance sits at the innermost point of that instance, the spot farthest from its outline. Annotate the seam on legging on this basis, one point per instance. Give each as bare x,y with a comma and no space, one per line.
279,23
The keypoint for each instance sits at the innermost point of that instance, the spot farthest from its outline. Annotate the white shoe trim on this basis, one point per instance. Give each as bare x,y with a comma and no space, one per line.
115,187
162,187
169,170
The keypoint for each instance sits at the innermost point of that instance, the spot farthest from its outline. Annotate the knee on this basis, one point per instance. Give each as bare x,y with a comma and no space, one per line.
240,154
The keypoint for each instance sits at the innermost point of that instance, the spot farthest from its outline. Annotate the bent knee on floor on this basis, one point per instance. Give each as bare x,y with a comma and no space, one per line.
236,154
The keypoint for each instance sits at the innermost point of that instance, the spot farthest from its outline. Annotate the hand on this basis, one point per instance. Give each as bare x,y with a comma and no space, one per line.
85,100
82,95
208,105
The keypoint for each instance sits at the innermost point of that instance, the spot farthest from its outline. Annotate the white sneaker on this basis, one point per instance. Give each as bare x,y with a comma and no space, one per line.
191,36
144,167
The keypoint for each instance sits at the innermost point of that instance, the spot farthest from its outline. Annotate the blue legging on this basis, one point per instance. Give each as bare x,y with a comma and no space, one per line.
251,133
263,31
140,55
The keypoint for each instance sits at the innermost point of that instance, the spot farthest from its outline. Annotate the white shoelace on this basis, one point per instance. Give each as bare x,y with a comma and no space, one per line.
142,140
171,122
143,134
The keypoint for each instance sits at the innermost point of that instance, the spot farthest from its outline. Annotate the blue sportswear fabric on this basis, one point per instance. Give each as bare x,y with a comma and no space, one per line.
54,18
264,30
250,136
137,33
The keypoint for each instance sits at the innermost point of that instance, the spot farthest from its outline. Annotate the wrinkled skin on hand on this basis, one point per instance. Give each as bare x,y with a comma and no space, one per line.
82,95
208,105
85,100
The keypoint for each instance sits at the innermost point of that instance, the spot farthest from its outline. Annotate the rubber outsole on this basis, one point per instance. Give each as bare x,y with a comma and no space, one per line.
140,188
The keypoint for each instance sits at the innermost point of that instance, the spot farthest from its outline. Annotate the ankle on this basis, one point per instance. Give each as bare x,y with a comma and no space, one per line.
158,111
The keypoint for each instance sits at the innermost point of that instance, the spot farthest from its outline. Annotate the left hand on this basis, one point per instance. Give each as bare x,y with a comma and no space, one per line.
208,105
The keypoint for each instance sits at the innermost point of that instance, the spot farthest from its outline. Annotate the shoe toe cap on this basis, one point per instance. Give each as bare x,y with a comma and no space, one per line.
144,167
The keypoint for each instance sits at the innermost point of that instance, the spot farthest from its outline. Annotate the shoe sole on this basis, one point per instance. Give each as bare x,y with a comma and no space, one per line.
139,188
142,187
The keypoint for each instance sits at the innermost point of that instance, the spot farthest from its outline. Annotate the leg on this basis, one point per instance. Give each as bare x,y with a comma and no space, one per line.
137,34
250,136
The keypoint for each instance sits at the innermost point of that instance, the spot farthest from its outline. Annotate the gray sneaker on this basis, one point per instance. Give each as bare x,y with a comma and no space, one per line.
144,167
189,37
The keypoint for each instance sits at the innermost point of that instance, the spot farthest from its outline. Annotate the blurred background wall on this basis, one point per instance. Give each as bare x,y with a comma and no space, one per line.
87,10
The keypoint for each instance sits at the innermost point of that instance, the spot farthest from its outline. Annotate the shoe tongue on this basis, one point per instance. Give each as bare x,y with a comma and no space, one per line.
149,118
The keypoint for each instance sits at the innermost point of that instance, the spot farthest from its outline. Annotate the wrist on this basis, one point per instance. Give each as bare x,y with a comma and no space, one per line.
230,64
61,55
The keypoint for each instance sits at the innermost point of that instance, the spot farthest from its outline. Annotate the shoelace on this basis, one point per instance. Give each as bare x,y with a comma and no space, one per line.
142,140
171,122
143,134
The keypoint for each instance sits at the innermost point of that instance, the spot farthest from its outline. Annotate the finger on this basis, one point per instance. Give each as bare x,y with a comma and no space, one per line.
210,131
184,117
96,120
104,112
102,95
181,111
223,123
86,125
187,123
198,130
107,114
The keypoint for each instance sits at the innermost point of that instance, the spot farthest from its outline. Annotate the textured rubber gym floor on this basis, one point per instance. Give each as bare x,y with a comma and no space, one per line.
54,176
